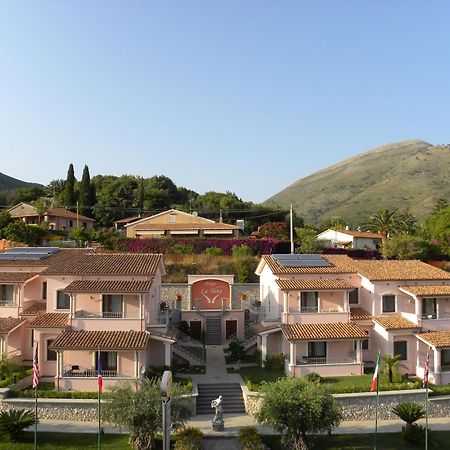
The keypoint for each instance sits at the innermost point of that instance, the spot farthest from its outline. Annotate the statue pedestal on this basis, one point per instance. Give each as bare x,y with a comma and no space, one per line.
217,425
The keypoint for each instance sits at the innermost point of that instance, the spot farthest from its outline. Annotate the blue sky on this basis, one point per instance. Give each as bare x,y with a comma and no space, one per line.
245,96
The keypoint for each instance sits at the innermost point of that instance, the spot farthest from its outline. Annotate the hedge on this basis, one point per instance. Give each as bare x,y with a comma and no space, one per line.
199,245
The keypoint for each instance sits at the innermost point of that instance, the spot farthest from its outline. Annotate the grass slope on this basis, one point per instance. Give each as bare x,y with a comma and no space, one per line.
409,175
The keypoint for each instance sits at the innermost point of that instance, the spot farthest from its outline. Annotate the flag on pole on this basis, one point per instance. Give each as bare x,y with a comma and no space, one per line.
99,373
426,370
35,368
375,374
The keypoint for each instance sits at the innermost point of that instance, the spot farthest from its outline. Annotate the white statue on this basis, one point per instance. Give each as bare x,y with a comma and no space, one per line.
217,403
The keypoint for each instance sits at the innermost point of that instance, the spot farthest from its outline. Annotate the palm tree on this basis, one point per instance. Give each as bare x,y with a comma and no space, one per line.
391,363
383,222
409,412
14,421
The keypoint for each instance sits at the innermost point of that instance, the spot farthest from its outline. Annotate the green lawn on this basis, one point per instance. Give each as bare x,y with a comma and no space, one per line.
362,383
253,376
68,441
386,441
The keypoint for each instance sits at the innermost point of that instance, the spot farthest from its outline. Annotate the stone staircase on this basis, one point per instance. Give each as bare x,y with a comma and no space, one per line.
214,330
192,358
232,401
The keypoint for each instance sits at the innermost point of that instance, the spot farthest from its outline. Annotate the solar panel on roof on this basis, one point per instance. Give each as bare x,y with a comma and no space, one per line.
301,260
27,253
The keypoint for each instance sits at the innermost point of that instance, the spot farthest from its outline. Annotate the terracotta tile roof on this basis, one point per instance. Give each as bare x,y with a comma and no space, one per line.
109,286
62,212
311,284
15,277
50,320
438,339
35,308
322,331
360,314
127,220
340,264
361,234
387,270
103,340
183,226
91,263
395,322
435,290
7,324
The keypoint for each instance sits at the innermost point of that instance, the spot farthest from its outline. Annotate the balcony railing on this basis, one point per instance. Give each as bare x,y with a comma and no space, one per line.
100,315
312,310
315,360
7,303
89,373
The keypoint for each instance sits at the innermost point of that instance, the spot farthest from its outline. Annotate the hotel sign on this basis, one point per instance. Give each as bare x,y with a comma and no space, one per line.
210,294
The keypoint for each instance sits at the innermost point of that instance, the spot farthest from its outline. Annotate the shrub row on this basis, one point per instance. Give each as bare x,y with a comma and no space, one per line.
196,245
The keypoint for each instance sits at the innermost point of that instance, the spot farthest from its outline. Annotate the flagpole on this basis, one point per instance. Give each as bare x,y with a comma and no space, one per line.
99,388
425,385
426,418
35,417
376,379
376,419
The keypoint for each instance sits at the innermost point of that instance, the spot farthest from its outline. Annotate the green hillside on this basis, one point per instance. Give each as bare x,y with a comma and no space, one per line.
9,184
408,175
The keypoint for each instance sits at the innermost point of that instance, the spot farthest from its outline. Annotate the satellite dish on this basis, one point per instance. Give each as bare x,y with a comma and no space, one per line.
195,213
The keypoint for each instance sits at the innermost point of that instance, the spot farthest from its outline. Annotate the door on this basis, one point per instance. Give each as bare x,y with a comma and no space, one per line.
112,306
231,328
195,329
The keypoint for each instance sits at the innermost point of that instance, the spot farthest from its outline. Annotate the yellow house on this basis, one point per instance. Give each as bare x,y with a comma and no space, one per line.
174,223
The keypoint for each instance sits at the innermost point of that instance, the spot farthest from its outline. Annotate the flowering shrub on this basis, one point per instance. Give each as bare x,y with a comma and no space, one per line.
199,245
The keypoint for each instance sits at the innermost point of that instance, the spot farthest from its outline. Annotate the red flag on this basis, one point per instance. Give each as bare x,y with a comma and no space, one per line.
426,370
35,368
99,373
375,375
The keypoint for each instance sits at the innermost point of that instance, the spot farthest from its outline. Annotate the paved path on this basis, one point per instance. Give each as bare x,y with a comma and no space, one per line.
234,422
216,370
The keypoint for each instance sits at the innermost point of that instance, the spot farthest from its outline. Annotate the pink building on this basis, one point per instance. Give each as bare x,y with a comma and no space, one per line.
74,303
331,314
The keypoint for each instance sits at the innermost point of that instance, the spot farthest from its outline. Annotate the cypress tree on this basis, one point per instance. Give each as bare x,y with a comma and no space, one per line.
69,189
85,193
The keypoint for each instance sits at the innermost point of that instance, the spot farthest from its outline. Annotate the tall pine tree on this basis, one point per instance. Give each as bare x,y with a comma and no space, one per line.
69,189
85,193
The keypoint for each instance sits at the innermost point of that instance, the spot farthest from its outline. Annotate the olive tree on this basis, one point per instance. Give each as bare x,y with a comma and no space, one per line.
139,410
295,408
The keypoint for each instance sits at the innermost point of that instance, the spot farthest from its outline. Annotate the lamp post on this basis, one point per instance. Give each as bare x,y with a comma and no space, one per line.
166,390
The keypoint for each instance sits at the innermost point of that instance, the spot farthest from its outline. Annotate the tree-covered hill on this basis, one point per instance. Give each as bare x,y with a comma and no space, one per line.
409,175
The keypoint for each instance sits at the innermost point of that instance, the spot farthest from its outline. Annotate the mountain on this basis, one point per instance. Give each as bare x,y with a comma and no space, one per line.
408,175
9,184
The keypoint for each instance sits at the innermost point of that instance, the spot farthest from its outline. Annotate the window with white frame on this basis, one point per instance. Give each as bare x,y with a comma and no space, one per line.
353,297
317,349
51,354
388,303
6,293
62,300
172,218
401,348
309,302
364,344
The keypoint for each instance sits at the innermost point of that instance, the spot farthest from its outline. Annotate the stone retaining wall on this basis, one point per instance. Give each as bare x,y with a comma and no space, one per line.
68,409
361,406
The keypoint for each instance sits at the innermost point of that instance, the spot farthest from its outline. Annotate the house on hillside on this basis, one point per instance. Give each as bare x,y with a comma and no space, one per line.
350,239
331,314
72,303
54,218
174,223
